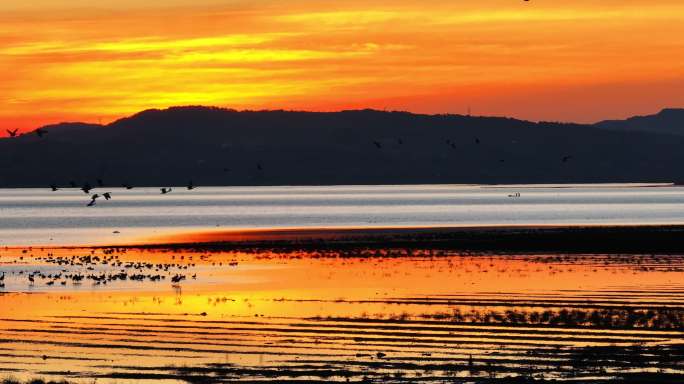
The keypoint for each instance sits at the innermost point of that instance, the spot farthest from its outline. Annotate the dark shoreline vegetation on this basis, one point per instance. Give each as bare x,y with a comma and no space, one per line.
599,318
642,239
576,364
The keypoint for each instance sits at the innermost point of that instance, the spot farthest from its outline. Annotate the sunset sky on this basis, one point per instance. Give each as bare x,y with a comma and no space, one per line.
580,60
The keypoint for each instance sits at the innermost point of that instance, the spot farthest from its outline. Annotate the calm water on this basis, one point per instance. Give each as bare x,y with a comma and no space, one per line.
42,217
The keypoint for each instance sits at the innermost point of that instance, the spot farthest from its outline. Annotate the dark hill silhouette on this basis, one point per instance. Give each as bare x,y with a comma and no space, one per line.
670,121
213,146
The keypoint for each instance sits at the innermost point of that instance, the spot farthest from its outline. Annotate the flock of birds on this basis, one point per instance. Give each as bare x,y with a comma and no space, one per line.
102,271
87,188
453,144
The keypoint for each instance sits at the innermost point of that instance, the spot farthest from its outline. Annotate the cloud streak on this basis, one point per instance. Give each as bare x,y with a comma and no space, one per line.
92,60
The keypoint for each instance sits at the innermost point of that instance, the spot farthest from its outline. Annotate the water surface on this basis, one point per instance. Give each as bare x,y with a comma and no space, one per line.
42,217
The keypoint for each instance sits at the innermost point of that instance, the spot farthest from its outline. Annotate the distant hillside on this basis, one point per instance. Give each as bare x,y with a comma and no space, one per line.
213,146
669,121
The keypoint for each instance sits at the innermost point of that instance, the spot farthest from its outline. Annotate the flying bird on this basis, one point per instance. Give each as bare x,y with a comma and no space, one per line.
377,144
40,132
107,195
566,158
190,186
164,191
12,133
127,186
54,188
259,167
92,199
477,140
86,188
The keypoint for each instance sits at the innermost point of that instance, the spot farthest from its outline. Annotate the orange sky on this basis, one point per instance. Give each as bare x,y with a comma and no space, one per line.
580,60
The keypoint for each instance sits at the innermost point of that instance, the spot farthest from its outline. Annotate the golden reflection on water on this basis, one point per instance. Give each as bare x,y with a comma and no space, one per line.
262,289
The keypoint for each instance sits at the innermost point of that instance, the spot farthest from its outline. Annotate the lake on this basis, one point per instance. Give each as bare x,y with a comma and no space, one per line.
43,217
421,312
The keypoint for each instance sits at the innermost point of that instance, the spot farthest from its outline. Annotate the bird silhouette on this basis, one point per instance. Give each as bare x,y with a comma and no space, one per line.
259,167
377,144
566,158
40,132
107,195
54,188
86,188
164,191
12,133
127,186
477,140
190,186
400,141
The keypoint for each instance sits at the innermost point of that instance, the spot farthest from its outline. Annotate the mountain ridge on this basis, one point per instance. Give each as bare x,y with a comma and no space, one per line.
219,146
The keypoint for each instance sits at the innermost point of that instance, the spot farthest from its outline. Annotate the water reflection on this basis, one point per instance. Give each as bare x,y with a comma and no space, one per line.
382,314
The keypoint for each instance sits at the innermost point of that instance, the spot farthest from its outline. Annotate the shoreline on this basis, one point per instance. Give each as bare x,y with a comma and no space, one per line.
505,239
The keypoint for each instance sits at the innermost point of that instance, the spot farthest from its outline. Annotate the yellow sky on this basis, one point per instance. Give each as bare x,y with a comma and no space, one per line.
66,60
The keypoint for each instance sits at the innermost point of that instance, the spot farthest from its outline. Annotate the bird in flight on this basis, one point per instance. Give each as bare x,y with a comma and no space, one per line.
190,186
566,158
54,188
107,195
40,132
12,133
377,144
86,188
164,191
127,186
92,199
